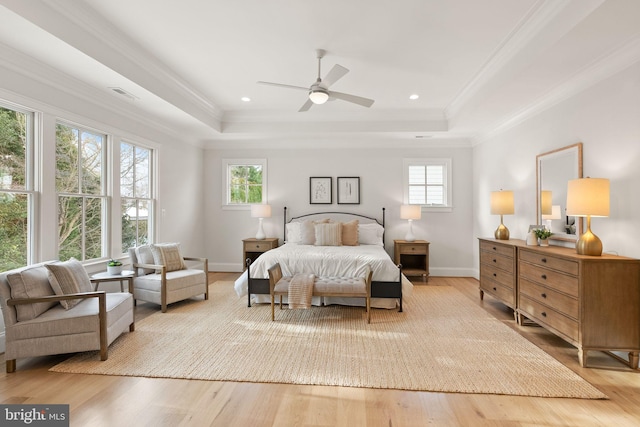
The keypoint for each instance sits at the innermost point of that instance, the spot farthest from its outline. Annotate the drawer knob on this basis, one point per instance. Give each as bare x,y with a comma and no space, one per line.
495,275
494,248
544,314
543,260
494,260
494,288
544,276
543,295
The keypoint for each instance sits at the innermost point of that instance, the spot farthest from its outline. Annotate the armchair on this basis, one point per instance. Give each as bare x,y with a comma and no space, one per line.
162,277
37,324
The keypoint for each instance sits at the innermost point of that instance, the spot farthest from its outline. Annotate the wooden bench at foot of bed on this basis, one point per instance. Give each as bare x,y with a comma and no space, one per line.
323,286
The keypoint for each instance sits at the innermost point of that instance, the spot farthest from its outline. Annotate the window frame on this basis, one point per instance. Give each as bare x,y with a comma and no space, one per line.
226,185
31,172
150,200
105,183
446,163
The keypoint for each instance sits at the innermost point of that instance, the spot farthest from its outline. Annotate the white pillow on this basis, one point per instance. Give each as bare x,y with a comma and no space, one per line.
307,233
370,234
293,232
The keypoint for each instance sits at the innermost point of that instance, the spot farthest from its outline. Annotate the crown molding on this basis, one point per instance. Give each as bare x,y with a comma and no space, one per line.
598,70
80,26
32,69
553,18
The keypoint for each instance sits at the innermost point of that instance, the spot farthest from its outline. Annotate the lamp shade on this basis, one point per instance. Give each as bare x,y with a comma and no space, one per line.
588,196
261,211
545,202
555,213
502,202
410,211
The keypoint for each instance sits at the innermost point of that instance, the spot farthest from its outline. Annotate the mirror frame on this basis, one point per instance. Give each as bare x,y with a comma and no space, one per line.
539,158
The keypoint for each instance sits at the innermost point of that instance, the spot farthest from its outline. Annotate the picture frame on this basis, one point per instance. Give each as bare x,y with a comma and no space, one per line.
348,190
320,190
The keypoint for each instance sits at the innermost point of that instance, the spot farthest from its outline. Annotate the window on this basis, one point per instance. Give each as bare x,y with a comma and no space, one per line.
427,182
16,188
135,195
245,181
81,189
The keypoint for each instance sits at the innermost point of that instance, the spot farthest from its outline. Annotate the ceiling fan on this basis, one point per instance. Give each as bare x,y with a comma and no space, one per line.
319,92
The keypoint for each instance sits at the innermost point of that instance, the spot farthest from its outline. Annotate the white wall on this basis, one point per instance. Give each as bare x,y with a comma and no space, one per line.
606,119
380,172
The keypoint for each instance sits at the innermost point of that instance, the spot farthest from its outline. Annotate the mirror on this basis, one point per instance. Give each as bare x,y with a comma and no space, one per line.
554,169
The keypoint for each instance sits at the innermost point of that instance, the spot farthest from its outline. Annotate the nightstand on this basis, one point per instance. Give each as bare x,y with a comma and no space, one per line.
414,257
252,248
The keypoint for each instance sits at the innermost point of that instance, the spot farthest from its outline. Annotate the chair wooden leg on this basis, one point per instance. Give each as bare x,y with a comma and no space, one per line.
273,303
132,327
11,366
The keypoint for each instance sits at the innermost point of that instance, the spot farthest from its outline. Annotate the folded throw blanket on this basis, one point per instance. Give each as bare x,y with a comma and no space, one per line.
301,290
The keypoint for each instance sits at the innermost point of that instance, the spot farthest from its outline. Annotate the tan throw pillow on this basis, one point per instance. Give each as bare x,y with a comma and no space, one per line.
329,234
31,283
168,254
69,277
350,233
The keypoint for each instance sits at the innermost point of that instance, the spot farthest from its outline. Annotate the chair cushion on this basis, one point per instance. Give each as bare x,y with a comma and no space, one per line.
31,283
168,254
69,277
178,279
83,318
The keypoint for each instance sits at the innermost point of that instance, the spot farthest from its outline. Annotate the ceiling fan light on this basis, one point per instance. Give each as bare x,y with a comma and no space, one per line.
318,96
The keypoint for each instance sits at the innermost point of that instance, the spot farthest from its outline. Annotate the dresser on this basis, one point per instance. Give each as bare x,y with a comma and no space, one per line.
499,270
592,302
414,257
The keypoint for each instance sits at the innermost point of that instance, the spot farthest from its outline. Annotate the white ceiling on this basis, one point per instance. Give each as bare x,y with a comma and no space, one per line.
479,66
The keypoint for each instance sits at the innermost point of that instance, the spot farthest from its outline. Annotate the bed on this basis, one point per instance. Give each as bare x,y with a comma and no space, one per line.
324,257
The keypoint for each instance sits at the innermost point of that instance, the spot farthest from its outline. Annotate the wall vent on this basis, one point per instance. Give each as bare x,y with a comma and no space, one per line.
124,93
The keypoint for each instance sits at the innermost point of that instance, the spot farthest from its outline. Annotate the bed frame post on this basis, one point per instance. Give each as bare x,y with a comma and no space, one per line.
383,228
284,226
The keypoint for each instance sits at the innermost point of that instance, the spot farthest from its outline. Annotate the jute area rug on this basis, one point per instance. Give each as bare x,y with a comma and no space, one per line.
441,342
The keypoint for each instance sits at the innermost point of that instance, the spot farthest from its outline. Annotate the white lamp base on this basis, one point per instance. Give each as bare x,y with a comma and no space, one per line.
410,237
260,235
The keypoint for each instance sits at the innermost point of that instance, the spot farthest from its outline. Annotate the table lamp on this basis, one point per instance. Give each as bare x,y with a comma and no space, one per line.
545,202
260,212
502,204
555,214
410,212
588,197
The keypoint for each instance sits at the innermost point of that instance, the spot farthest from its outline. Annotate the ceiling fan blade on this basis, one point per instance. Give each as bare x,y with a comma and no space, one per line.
282,85
305,106
335,74
365,102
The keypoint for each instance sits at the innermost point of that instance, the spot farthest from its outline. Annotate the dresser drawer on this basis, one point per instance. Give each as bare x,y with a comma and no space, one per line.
494,274
549,317
496,249
550,261
503,293
555,300
550,278
500,261
412,249
257,246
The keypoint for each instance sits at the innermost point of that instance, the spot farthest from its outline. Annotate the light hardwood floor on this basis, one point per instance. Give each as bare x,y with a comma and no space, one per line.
126,401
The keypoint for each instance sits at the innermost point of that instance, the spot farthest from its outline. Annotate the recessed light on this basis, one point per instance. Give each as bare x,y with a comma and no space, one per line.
414,96
245,99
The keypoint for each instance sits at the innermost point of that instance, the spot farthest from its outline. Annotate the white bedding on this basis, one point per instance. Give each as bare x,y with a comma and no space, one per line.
328,261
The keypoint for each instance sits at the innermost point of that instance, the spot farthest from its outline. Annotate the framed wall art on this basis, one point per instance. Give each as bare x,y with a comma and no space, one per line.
348,190
320,191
